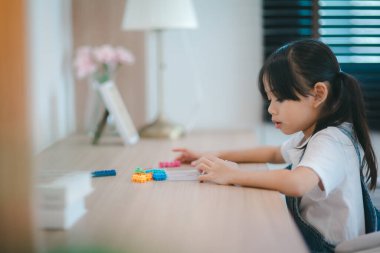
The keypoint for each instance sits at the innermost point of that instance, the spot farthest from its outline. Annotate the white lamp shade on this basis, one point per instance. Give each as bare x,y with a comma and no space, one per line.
159,14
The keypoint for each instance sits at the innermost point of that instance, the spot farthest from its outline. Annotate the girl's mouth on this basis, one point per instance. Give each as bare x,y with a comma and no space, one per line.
277,124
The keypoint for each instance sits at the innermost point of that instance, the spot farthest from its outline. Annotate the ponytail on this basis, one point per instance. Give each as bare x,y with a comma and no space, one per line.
350,86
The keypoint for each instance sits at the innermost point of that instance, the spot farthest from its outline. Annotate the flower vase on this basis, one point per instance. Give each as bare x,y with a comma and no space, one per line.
94,108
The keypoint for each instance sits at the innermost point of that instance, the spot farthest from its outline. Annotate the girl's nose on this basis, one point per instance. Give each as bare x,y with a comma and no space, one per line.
270,108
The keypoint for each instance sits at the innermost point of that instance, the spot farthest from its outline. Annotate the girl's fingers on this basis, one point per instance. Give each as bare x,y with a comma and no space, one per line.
179,149
195,162
202,167
181,155
215,159
204,160
179,158
204,178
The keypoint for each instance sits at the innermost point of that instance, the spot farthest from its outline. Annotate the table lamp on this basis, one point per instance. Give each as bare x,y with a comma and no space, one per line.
157,16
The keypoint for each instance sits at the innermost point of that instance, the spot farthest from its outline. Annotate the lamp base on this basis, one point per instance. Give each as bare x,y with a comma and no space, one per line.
162,129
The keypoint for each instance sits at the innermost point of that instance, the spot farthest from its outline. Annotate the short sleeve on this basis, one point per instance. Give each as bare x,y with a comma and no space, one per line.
325,156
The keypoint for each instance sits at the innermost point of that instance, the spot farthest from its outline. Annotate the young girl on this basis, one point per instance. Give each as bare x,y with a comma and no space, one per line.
330,154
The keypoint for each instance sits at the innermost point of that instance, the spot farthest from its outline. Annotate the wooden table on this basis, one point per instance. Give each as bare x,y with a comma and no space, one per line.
168,216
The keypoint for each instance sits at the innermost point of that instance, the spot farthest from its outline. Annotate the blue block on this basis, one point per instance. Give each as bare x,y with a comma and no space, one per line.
103,173
157,174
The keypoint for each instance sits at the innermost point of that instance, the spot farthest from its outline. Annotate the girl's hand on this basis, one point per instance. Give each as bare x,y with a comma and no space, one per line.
186,155
215,170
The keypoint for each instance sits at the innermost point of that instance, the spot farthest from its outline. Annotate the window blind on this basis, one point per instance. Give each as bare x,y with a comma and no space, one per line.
285,21
350,27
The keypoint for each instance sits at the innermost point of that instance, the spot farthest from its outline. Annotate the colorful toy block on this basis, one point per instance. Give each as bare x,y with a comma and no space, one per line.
153,170
142,176
103,173
139,178
158,174
149,176
172,164
139,170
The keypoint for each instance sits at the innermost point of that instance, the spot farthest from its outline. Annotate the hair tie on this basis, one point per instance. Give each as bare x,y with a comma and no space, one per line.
339,77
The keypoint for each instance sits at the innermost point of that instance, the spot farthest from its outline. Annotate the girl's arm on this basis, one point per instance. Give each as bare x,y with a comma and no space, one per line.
295,182
265,154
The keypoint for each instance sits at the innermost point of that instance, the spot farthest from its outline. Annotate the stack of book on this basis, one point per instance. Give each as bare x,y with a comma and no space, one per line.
182,175
62,202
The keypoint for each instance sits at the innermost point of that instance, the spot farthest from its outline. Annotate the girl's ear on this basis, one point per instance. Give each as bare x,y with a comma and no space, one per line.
320,93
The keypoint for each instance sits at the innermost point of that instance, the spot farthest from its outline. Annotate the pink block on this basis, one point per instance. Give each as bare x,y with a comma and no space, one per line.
169,164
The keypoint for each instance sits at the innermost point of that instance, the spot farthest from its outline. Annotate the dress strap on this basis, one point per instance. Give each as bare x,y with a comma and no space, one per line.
371,213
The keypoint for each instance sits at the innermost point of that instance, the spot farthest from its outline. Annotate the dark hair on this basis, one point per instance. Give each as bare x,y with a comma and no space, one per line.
293,70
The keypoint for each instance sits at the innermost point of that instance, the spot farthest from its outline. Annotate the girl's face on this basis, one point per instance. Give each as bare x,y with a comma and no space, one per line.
292,116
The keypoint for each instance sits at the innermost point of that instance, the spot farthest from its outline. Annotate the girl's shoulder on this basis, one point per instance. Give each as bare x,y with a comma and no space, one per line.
338,134
334,134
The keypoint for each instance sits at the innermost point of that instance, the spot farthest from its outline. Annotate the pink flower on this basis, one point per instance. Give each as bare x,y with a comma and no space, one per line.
101,62
105,54
124,56
84,62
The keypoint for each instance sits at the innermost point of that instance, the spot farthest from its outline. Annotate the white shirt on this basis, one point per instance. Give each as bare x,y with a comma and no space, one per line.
337,212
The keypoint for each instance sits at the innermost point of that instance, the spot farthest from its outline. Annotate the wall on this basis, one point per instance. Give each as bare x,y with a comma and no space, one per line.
210,78
98,22
211,75
220,60
51,85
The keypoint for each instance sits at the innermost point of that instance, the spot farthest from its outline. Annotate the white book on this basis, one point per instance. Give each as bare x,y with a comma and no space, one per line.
116,107
65,190
61,218
182,175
